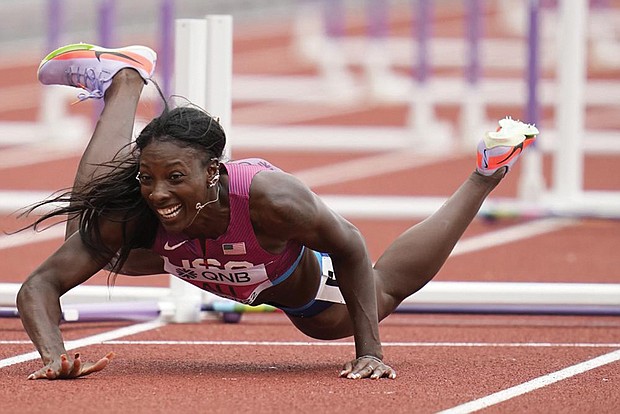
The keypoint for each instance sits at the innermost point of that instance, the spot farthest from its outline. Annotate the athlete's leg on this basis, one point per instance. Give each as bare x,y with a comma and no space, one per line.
414,258
113,131
417,255
117,76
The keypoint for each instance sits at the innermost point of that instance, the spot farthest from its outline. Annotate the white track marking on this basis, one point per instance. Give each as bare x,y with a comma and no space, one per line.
365,167
30,237
31,154
511,234
89,340
475,405
385,344
345,343
108,338
534,384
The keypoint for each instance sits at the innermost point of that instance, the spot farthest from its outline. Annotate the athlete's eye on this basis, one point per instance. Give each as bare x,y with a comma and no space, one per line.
176,176
143,178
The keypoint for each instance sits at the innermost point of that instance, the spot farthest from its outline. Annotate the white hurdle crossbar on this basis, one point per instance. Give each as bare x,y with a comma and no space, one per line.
435,292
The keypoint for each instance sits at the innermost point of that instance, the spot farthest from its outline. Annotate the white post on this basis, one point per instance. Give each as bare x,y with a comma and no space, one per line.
190,60
190,57
219,72
568,162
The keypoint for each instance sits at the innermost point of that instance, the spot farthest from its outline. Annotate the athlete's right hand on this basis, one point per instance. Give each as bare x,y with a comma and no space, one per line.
63,368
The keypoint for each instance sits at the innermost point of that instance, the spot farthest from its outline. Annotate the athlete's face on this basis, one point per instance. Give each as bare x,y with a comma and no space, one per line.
172,180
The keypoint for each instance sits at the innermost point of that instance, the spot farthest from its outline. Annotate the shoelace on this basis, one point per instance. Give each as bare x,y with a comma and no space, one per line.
88,81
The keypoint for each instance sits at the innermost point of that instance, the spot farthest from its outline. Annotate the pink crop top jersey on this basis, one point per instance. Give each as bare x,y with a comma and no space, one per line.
234,265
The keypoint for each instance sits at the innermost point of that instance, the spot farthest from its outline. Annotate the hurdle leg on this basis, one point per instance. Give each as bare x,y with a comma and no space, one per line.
203,74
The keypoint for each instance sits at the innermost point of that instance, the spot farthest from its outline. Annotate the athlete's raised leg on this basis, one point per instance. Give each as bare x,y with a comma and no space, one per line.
414,258
116,75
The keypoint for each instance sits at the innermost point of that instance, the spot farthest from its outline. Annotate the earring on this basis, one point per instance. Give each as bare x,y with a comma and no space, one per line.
214,179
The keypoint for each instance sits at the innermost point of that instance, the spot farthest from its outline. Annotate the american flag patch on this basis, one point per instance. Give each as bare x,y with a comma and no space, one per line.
233,248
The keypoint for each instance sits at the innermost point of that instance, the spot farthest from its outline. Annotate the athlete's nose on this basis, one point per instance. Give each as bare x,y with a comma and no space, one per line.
160,191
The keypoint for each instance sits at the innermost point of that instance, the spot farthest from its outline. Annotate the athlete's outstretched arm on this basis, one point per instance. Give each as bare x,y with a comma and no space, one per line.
38,302
288,210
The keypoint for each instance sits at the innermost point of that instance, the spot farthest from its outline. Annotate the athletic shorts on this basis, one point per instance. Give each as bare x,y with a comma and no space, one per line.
327,294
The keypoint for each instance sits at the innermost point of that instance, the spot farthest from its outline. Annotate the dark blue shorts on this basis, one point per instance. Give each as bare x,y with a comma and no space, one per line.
310,309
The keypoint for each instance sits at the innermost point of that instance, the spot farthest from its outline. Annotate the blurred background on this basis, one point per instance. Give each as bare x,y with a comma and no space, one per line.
377,105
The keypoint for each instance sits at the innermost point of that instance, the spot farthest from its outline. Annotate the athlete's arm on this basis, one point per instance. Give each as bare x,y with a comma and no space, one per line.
289,210
142,262
38,302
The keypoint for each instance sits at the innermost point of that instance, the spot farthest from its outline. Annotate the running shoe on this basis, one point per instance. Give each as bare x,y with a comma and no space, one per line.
503,147
91,67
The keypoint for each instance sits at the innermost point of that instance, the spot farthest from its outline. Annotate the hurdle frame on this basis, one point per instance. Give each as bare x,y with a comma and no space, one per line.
566,197
181,298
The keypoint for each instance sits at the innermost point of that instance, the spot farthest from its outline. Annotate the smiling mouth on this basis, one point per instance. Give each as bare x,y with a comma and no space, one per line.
170,212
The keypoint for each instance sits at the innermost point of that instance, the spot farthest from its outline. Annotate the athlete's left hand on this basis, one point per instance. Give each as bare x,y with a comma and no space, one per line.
367,366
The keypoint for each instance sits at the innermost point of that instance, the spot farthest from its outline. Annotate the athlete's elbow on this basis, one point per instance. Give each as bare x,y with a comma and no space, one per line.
352,246
33,290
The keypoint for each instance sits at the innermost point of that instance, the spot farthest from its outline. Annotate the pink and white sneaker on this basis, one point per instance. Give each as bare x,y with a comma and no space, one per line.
92,67
502,148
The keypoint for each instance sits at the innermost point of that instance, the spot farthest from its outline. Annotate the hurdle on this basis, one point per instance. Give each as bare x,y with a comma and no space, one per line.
203,75
567,195
473,122
568,94
429,134
194,303
87,303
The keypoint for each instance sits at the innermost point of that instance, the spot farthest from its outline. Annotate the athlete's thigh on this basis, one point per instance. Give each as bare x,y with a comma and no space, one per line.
333,323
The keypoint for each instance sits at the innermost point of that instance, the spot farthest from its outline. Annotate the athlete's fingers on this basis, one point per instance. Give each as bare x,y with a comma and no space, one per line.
97,366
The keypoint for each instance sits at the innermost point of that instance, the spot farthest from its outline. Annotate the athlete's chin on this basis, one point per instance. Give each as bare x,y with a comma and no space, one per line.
171,228
174,224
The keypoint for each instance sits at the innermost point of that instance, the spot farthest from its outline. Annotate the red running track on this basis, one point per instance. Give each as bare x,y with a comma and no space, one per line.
264,365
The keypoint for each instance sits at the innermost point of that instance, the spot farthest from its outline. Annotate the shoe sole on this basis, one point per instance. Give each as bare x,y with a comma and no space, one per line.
495,139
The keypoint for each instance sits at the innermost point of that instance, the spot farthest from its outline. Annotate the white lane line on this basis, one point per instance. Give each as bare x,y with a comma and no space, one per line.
31,154
343,343
30,237
366,167
511,234
89,340
534,384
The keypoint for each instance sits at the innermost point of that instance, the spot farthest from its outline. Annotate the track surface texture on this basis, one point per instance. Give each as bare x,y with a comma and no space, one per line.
494,363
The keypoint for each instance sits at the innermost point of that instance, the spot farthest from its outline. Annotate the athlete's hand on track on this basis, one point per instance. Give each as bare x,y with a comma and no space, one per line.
66,369
367,367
